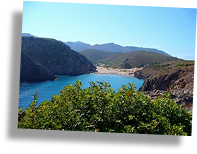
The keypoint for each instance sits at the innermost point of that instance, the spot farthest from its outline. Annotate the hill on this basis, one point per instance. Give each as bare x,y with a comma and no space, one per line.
32,71
56,56
79,46
27,35
96,55
176,77
168,72
135,59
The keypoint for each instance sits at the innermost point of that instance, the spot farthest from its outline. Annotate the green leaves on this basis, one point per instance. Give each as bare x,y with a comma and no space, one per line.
99,109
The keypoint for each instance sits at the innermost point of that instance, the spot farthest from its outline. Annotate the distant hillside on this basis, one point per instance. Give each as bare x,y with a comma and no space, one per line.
56,56
109,47
79,46
27,35
135,59
32,71
96,55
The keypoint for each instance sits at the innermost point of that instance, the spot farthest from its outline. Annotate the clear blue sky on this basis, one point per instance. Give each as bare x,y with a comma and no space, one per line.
172,30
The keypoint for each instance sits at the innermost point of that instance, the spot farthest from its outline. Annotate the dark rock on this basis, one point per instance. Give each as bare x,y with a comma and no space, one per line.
184,100
172,96
32,71
159,82
21,115
188,100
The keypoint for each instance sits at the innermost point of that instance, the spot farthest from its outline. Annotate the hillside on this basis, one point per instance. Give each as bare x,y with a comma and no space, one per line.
96,55
32,71
176,77
27,35
135,59
57,57
169,72
79,46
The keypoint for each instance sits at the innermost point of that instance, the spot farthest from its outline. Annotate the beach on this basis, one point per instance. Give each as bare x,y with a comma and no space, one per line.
127,72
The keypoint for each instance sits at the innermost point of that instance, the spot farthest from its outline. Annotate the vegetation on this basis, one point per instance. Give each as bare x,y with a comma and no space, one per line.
136,59
44,50
171,64
96,55
100,109
56,56
167,67
185,64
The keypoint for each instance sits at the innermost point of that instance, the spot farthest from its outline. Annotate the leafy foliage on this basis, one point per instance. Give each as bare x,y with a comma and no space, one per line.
99,108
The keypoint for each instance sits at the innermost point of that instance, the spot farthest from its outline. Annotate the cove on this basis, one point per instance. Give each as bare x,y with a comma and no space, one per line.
48,88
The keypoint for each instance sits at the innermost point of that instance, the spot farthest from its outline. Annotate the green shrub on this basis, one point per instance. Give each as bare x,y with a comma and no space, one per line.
99,108
185,64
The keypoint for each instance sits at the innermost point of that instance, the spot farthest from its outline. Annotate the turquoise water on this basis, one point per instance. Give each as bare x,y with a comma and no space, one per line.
47,89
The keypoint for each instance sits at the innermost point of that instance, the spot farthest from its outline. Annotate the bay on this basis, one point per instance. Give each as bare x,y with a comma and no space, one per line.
49,88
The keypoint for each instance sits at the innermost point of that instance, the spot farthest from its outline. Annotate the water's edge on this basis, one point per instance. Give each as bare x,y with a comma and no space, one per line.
49,88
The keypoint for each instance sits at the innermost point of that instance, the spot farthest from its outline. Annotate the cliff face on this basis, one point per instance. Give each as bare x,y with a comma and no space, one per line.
167,76
176,78
56,56
162,82
32,71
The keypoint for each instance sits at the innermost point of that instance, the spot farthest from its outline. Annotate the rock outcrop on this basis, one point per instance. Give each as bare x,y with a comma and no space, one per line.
162,82
56,56
181,79
179,96
176,78
32,71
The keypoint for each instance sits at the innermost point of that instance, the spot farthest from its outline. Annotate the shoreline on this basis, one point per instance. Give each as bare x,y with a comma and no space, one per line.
125,72
177,95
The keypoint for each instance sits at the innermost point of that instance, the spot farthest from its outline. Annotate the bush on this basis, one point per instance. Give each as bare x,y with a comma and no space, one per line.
99,108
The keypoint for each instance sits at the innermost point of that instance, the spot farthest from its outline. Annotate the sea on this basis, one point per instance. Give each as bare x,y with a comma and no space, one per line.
45,90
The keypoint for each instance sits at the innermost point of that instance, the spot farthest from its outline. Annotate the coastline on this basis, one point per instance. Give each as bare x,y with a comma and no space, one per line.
183,99
125,72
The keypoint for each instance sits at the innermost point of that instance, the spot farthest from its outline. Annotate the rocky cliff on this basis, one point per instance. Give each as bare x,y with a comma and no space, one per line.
32,71
176,77
56,56
166,79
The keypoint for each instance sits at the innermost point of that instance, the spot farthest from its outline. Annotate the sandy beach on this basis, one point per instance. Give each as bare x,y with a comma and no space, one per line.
127,72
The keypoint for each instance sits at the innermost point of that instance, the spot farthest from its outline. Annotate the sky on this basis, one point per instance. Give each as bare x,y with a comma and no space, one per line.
172,30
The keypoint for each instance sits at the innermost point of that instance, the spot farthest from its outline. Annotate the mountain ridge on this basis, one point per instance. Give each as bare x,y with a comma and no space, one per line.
111,47
27,35
96,55
80,46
